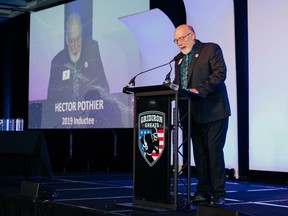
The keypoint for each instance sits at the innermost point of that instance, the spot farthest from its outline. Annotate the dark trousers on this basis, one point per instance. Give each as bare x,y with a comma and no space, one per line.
208,142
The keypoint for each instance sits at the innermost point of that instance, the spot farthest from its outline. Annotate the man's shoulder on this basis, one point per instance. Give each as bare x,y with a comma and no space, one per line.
91,43
60,56
90,48
210,44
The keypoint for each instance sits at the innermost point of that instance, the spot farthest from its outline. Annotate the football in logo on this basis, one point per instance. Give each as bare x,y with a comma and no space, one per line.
151,135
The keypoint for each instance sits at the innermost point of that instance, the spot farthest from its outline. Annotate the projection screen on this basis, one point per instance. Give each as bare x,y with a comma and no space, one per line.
268,74
213,21
59,96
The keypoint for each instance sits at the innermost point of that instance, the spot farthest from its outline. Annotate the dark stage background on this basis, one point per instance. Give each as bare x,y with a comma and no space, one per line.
107,149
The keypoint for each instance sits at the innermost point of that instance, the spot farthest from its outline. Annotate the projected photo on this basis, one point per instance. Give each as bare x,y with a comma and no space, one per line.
72,83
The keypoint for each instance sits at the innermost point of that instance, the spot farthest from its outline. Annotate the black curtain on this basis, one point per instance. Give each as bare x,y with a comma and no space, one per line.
241,43
14,63
174,9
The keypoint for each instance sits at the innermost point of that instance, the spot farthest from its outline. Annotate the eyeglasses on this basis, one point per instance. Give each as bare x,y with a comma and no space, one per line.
181,38
75,39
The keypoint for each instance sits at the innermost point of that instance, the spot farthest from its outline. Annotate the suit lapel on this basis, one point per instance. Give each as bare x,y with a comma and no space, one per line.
177,69
194,59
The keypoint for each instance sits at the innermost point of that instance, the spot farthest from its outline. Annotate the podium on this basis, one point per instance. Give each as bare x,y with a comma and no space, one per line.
156,169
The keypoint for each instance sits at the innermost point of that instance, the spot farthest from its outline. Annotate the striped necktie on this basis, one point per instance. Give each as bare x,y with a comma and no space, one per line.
76,84
185,72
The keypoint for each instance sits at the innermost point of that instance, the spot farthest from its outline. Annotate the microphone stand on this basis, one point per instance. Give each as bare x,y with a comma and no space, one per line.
132,81
167,80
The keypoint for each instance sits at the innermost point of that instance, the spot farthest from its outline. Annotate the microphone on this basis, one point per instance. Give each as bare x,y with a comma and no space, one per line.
167,80
132,81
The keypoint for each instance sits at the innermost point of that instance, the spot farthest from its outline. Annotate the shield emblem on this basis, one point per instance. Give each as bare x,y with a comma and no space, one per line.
151,135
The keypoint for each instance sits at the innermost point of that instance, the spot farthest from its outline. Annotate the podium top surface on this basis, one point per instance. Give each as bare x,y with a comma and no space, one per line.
173,88
148,88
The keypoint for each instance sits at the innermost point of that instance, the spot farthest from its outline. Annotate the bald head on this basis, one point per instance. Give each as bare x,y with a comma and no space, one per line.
73,22
185,27
74,36
185,37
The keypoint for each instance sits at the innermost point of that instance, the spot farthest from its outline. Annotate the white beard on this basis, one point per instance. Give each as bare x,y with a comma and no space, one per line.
75,58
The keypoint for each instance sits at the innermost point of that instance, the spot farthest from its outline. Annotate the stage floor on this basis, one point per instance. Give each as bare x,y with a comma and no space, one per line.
111,194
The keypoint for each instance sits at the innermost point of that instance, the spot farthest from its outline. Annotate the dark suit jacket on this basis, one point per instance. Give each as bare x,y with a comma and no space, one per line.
91,74
207,73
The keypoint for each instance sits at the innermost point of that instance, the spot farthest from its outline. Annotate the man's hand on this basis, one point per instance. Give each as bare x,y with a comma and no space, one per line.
194,90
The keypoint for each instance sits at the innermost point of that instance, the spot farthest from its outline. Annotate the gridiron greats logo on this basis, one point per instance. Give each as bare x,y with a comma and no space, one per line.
151,135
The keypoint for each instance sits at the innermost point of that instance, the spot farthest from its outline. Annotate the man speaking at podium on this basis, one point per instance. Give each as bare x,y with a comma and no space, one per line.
77,69
78,91
200,68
